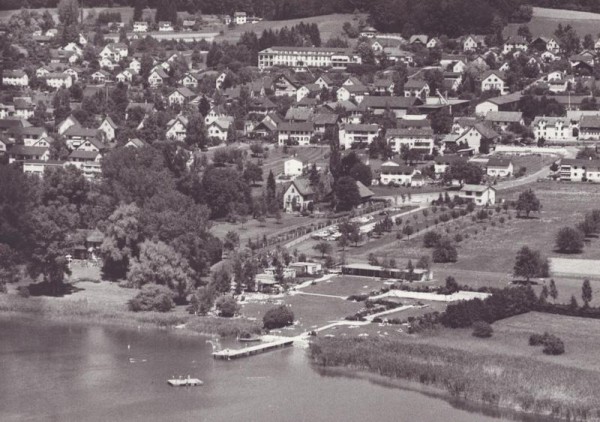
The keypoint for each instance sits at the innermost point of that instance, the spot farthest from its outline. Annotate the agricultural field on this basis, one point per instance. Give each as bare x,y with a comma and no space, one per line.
330,26
511,337
545,21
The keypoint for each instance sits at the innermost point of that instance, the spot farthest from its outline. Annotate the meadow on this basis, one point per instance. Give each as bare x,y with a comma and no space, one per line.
545,21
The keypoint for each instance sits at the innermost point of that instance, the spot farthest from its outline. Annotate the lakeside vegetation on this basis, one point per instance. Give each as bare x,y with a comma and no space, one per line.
81,311
524,384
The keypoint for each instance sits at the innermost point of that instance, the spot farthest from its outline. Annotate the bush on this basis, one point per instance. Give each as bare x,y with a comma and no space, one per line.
431,239
227,306
152,297
482,329
278,317
554,346
537,339
445,252
569,240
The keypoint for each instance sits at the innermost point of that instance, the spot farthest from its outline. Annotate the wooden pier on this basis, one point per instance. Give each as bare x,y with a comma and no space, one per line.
228,354
185,382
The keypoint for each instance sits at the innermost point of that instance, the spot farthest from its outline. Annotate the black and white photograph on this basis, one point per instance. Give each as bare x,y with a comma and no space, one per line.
299,210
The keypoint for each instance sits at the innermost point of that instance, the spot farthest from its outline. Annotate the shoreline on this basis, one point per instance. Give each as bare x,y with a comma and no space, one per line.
435,392
491,381
35,308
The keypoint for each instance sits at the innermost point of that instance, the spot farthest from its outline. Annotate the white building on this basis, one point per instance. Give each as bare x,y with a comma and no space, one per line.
479,194
58,80
140,26
295,133
494,80
419,139
357,134
303,57
15,78
552,128
573,170
293,167
498,167
240,18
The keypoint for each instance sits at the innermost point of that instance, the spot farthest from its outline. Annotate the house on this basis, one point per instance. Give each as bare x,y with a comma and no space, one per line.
473,42
324,81
420,140
299,196
307,90
498,167
100,76
125,76
578,170
383,86
15,78
295,133
368,32
77,135
177,128
157,77
494,80
443,162
135,65
380,104
357,135
38,167
306,268
416,88
478,137
285,86
140,26
543,44
58,80
70,121
553,129
589,128
507,102
89,162
515,43
165,26
219,128
135,143
478,194
503,119
398,174
293,167
365,270
418,40
24,107
114,51
190,80
108,128
217,112
395,55
323,120
240,18
352,92
434,43
181,96
20,153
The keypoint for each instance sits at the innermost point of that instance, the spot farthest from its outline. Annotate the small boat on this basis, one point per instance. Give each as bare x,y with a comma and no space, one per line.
185,382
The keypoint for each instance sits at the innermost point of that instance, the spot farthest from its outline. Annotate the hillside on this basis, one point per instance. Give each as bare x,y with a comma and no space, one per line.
545,21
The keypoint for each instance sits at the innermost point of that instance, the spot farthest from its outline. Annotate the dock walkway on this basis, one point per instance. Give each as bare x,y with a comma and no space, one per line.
228,354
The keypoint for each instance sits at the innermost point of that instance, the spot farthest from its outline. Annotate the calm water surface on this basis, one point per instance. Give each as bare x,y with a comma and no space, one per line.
57,372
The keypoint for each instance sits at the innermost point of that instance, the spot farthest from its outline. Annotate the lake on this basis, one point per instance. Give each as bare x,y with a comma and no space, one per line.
71,372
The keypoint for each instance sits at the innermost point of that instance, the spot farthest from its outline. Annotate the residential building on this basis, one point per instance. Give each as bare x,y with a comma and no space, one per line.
299,196
443,162
240,18
473,42
515,43
416,88
157,77
181,96
398,174
108,128
165,26
355,135
478,194
503,119
420,139
140,26
177,128
494,80
553,129
295,133
499,167
589,127
15,78
219,128
578,170
293,167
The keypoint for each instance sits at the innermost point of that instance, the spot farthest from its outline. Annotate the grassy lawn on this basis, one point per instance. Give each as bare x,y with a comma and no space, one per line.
276,158
309,311
345,286
254,229
329,26
545,22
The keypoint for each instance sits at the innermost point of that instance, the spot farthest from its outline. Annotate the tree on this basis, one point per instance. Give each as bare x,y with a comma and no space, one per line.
324,248
62,105
569,240
221,281
253,173
152,297
196,135
445,251
122,237
464,172
225,192
346,192
232,240
158,263
227,306
524,32
441,122
553,290
271,192
138,9
278,317
553,346
530,264
528,203
68,16
431,239
586,292
165,11
451,285
202,300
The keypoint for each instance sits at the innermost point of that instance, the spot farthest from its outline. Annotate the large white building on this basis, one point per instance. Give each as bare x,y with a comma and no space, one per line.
301,57
15,78
553,128
357,134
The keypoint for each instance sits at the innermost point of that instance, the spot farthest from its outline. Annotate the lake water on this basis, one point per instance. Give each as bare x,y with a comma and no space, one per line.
58,372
